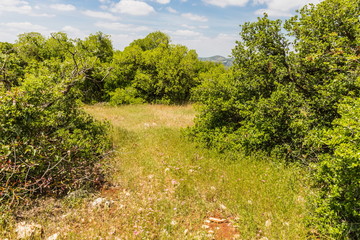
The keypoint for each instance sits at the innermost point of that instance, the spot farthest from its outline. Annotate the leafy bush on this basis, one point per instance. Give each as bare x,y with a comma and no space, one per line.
47,149
338,175
256,106
47,144
128,95
282,102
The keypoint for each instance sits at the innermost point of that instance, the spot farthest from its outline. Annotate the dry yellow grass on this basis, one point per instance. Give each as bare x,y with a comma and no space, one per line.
142,116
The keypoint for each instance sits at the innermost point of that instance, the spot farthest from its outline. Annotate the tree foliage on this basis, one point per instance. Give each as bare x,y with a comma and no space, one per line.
155,71
47,144
295,99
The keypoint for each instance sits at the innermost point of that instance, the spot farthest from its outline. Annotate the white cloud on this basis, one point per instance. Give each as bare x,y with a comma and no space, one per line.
171,10
132,7
122,27
120,41
194,17
225,3
102,15
16,6
281,8
23,26
63,7
73,32
188,26
163,1
186,33
7,37
273,12
204,45
204,27
194,27
21,7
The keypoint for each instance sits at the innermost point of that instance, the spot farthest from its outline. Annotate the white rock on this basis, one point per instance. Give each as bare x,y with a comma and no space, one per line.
53,237
223,207
101,202
98,202
268,223
28,230
217,220
112,230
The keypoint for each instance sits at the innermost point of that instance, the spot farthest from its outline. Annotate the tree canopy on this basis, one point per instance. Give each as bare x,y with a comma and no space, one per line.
293,93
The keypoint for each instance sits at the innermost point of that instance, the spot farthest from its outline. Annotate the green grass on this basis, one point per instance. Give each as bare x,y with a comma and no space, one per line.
164,187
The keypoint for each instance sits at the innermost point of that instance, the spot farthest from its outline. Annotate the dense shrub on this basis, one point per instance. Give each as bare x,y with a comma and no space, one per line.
47,144
47,148
287,99
128,95
338,175
257,105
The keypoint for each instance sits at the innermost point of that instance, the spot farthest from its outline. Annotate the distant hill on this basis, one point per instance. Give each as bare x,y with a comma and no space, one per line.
220,59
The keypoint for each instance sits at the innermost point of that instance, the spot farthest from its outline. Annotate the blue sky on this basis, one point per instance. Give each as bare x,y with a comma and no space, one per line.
211,27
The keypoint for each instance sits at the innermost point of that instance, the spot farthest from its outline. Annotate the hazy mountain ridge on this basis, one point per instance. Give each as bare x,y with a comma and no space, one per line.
220,59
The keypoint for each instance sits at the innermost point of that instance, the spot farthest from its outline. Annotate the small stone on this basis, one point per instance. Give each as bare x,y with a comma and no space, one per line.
217,220
205,226
101,202
28,230
223,207
268,223
97,202
53,237
112,231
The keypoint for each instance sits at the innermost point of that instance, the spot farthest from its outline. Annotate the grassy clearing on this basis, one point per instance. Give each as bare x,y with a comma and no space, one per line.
164,187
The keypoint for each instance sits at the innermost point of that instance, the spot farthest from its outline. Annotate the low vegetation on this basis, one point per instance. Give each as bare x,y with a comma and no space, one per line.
285,114
161,186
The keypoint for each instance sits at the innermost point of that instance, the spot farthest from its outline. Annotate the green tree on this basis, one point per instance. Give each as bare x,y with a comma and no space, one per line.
292,102
327,59
256,106
338,175
12,66
47,144
152,41
153,70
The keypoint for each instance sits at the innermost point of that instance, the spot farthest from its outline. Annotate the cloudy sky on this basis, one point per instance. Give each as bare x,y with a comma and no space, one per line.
211,27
